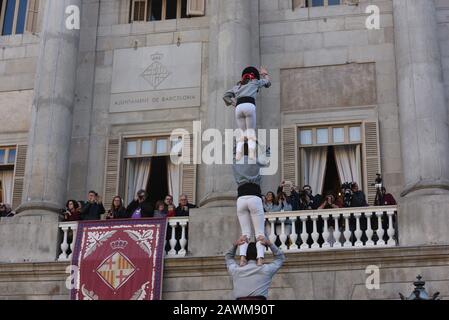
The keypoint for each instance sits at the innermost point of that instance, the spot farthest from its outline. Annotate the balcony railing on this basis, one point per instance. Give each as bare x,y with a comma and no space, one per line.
294,231
175,243
333,228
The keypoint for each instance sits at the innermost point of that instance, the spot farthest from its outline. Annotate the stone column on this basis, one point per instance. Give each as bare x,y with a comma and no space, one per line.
423,117
230,50
51,124
34,231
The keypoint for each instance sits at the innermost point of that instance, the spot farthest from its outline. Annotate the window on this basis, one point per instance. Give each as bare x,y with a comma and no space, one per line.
306,137
321,3
155,10
315,3
322,135
330,155
131,148
148,147
7,156
148,166
13,15
7,162
339,135
352,150
330,135
354,134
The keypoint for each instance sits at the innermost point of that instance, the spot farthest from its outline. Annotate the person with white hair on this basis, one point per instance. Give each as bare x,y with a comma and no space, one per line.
184,206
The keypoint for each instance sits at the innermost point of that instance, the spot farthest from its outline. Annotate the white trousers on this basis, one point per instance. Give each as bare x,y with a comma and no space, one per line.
250,208
245,115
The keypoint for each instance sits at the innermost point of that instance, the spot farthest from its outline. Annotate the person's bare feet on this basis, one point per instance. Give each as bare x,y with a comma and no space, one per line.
238,155
252,154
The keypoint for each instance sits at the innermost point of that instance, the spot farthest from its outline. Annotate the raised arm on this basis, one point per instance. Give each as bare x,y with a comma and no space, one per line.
230,255
265,78
231,265
279,259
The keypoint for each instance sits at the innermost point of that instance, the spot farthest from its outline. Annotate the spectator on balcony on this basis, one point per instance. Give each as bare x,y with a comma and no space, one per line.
313,201
339,201
306,200
72,212
384,198
5,210
171,211
140,207
93,207
118,210
358,196
329,203
293,198
284,205
284,202
271,204
159,211
167,201
251,282
184,206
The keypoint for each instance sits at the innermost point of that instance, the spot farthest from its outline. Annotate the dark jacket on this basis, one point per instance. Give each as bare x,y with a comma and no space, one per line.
358,199
180,212
146,208
292,199
119,213
92,211
74,215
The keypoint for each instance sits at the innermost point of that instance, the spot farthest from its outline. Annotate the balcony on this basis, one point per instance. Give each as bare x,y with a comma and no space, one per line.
294,231
333,229
175,245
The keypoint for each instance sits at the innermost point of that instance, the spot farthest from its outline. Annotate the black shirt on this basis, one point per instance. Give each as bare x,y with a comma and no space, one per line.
146,208
92,211
180,212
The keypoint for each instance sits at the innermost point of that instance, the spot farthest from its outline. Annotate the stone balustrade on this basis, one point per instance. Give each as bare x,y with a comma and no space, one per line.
333,228
175,243
293,231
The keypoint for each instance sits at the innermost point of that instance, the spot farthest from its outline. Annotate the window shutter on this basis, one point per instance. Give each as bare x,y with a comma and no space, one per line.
19,174
299,4
289,162
196,7
32,15
372,158
112,170
189,172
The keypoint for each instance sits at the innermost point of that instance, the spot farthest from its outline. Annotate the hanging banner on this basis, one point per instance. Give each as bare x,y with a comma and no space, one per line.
119,259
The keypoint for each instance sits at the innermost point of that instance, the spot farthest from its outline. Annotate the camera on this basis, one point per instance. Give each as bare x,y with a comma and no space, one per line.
346,186
347,194
62,212
378,182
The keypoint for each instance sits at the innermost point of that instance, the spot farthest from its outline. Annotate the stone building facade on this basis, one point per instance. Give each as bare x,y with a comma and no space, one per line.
79,108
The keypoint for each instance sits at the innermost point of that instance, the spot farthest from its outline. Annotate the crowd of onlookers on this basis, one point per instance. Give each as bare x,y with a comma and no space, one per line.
292,198
139,207
287,198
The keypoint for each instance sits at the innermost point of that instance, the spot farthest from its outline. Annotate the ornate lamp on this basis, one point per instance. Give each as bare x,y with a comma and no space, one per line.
420,292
